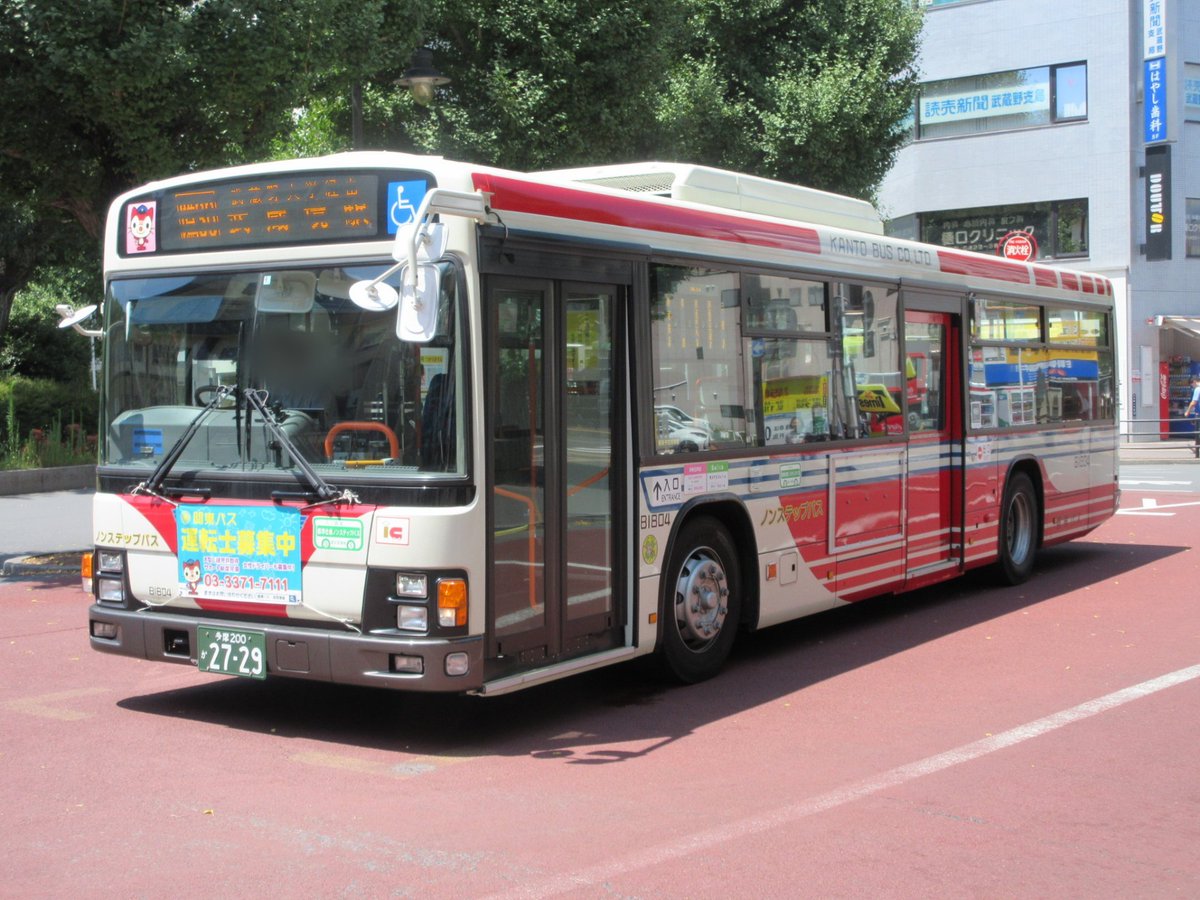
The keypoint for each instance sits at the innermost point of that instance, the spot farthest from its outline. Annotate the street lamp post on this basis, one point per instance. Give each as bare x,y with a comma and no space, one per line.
421,77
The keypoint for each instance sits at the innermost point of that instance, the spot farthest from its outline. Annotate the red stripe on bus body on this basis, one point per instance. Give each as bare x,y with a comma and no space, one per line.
953,262
1045,277
561,202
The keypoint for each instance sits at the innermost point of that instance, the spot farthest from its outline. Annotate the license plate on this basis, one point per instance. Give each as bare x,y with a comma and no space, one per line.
231,651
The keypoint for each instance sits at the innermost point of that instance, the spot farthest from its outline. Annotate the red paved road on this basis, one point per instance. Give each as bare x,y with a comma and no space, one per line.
969,741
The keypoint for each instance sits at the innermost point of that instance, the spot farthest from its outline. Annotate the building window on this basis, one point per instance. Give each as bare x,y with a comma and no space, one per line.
1001,101
1191,92
1060,227
1193,227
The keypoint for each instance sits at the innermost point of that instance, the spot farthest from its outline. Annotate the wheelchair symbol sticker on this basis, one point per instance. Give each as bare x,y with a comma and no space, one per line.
403,199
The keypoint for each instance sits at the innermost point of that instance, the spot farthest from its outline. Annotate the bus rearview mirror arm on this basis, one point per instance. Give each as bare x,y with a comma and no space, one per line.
411,239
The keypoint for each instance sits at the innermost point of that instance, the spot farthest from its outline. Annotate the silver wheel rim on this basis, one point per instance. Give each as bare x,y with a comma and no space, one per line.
701,599
1020,527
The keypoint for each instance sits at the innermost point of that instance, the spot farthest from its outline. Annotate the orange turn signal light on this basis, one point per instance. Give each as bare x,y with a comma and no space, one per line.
452,602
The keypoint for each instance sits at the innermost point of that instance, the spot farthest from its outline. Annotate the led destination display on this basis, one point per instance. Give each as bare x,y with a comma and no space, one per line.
299,208
276,210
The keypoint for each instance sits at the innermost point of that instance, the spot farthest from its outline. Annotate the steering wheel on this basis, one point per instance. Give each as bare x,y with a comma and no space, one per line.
201,393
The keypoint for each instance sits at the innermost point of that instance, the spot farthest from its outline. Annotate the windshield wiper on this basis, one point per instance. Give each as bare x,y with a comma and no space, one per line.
153,484
326,493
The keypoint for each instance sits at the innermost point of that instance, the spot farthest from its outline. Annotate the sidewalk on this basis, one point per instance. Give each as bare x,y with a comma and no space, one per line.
1139,452
44,533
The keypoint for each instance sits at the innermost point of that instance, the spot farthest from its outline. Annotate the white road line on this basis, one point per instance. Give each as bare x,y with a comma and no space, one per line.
734,831
1125,481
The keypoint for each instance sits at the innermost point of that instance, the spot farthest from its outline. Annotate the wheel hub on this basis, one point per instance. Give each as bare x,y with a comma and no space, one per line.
701,600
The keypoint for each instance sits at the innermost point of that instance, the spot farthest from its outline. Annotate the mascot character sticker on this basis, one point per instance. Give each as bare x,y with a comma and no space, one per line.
139,227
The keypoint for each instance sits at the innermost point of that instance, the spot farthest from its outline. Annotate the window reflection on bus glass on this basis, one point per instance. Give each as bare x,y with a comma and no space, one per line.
345,389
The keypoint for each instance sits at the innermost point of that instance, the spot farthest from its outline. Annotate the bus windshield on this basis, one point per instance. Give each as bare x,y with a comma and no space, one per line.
349,395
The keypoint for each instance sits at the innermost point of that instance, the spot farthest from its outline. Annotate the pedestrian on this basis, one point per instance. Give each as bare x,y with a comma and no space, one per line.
1190,413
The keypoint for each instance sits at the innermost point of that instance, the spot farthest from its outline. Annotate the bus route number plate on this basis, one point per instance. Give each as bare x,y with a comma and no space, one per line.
231,651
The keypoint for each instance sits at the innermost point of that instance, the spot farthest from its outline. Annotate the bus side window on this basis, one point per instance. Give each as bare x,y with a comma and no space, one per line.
872,382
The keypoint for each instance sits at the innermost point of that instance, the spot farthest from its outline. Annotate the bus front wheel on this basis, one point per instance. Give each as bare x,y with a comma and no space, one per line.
703,601
1018,528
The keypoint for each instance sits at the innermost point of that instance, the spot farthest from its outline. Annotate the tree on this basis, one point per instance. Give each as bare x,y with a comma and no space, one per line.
537,83
98,96
809,91
35,346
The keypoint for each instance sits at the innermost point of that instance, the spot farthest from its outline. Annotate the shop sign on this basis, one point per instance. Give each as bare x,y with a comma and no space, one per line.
1154,28
1020,246
1158,202
1155,101
988,102
983,230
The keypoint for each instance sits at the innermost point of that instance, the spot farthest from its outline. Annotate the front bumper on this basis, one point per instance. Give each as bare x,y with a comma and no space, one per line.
343,658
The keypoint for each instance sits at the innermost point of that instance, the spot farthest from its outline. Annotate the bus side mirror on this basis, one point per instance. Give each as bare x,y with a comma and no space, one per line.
418,318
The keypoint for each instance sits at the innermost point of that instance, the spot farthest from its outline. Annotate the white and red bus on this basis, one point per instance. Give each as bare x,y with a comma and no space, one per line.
393,420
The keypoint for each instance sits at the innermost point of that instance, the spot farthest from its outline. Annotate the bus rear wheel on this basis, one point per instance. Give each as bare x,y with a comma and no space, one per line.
1018,529
702,603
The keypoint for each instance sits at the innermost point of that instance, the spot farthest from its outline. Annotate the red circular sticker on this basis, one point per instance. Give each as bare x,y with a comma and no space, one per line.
1018,245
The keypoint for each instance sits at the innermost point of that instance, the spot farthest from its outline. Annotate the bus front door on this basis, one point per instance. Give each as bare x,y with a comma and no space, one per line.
555,420
934,424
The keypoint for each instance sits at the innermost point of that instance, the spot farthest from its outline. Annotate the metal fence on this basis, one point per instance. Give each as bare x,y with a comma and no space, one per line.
1156,434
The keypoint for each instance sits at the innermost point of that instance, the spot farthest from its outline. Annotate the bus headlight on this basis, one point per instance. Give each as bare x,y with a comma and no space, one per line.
110,590
412,618
412,584
111,561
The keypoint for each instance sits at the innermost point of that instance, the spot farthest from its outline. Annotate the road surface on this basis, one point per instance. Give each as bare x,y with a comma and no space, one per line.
965,741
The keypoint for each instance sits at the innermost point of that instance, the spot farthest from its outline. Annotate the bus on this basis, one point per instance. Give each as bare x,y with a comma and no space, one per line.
392,420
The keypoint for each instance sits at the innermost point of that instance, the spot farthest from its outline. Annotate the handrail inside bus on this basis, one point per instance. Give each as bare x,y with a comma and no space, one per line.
533,515
588,482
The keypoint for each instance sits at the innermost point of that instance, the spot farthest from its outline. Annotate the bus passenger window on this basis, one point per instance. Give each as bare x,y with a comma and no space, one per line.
871,382
791,378
699,392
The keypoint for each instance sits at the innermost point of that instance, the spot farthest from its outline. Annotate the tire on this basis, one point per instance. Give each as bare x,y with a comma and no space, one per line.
1018,534
703,569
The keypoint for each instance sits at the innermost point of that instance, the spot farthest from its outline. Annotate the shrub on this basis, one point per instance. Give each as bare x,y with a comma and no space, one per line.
65,415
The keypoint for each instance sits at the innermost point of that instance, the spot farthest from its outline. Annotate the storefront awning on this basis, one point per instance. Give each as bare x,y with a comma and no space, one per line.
1190,325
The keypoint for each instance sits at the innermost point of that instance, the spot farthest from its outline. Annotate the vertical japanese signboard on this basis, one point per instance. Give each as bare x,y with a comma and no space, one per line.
1155,105
1158,202
1154,73
1154,28
1155,131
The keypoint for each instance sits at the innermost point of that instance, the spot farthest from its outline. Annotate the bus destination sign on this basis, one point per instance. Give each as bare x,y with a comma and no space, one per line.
325,206
300,208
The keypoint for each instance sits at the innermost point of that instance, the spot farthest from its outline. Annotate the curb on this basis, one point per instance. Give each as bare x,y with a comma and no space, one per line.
36,481
24,565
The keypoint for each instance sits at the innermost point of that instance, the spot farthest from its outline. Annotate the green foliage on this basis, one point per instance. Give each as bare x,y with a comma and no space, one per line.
34,345
149,89
808,92
811,92
541,83
46,423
